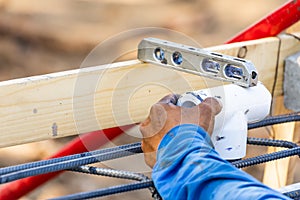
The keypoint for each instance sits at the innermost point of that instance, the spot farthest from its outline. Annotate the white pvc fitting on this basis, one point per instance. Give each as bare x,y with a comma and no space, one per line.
240,107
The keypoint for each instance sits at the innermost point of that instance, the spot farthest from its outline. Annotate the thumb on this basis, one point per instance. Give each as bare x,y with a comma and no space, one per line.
215,105
171,98
209,108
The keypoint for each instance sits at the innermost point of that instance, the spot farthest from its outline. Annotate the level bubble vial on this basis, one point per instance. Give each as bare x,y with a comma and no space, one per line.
232,71
209,65
254,75
177,58
159,54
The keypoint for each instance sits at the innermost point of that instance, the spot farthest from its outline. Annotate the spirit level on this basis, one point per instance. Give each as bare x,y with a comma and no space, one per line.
198,61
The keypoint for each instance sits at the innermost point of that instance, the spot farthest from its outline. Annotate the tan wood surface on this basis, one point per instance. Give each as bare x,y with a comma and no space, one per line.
79,101
276,173
289,46
294,28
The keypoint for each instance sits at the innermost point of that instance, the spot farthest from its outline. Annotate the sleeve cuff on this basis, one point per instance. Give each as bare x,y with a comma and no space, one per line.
184,129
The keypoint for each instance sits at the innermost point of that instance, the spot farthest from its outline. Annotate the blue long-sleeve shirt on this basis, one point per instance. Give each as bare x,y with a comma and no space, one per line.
189,168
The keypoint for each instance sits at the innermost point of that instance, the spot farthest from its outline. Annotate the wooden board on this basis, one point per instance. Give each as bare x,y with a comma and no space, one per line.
276,173
289,46
294,28
79,101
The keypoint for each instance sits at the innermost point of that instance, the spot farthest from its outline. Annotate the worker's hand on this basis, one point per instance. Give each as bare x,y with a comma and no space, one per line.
165,115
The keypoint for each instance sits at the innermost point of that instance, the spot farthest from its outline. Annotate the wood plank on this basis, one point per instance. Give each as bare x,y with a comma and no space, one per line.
276,172
289,46
294,28
294,161
78,101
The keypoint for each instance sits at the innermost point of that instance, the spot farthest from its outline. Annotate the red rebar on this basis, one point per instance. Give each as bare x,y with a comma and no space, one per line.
272,24
86,142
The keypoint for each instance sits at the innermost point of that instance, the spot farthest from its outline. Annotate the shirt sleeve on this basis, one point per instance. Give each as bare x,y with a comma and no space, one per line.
189,168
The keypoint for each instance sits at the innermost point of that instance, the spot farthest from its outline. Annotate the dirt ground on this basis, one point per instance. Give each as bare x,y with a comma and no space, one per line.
38,37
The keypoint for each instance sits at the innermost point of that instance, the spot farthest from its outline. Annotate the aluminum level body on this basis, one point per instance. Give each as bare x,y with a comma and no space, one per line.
198,61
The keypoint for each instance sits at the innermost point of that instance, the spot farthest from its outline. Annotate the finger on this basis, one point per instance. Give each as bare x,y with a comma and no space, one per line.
143,126
142,146
206,116
209,108
155,121
158,117
171,98
214,104
145,122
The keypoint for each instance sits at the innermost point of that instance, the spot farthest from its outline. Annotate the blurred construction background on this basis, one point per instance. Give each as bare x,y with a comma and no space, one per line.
38,37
